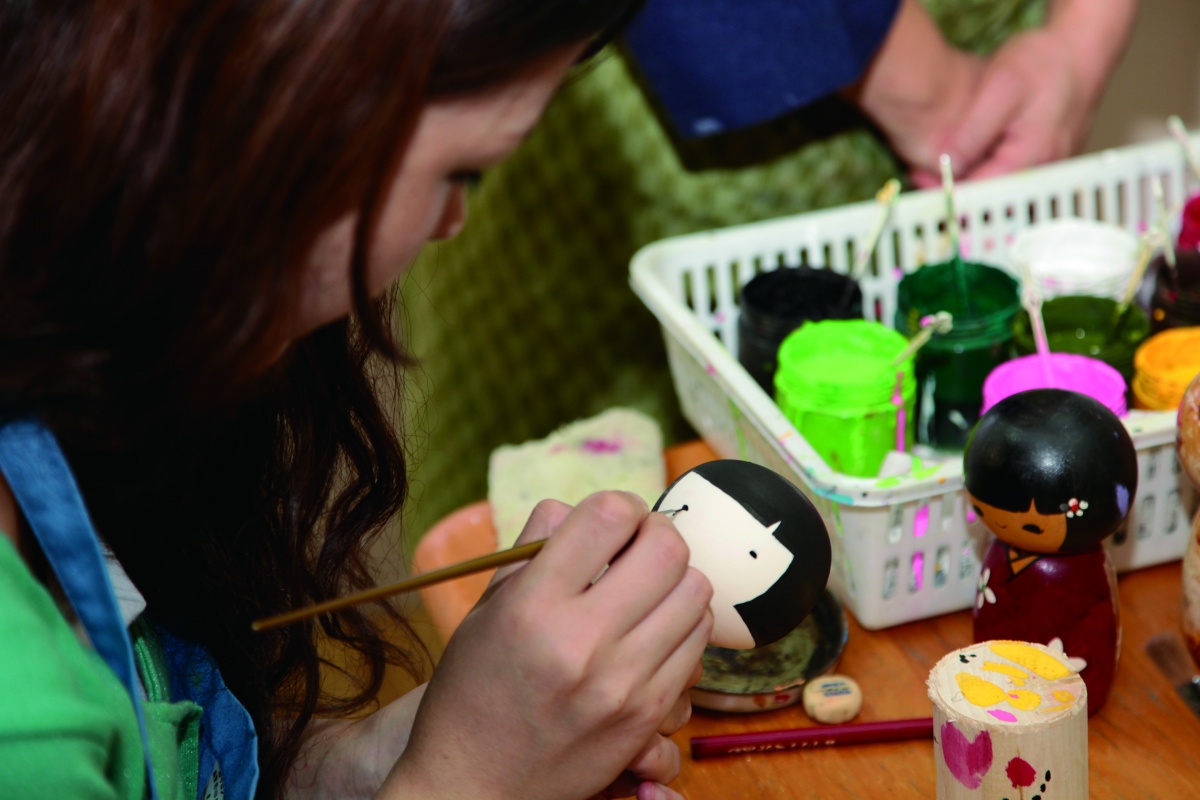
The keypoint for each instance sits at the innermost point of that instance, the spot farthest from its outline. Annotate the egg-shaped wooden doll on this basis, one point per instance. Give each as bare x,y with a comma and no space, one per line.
1052,473
761,543
1189,459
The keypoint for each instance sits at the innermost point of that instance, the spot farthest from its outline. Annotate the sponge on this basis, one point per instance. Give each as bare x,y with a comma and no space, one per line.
620,448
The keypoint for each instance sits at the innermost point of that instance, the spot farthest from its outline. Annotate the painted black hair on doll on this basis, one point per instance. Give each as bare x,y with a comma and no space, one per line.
761,543
1062,450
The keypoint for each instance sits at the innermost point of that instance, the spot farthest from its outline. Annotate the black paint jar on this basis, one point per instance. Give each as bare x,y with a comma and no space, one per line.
773,304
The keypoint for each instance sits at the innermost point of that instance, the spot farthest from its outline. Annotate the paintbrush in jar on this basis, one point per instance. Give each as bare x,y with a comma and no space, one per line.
1180,132
885,198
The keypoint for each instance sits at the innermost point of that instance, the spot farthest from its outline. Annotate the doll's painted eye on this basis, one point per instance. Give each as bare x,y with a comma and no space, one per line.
978,511
753,554
1031,528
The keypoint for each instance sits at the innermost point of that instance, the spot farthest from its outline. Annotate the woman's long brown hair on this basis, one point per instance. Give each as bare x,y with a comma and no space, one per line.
164,169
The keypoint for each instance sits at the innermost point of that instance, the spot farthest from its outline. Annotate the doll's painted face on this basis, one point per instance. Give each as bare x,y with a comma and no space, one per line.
762,544
740,555
1062,450
1026,530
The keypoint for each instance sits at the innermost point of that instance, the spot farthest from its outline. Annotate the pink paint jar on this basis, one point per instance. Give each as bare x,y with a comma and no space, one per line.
1082,374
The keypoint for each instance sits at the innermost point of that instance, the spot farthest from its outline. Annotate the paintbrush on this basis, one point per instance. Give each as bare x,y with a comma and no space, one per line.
1167,652
941,322
886,199
1031,299
495,560
955,232
1179,131
1162,228
491,560
1120,312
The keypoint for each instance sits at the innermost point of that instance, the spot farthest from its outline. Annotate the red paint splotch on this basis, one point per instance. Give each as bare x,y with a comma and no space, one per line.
1021,772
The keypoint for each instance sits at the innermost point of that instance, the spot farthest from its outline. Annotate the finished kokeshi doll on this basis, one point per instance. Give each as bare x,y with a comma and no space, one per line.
1052,474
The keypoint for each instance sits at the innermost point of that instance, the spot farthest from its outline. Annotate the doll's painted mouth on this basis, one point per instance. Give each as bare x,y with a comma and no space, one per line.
1032,528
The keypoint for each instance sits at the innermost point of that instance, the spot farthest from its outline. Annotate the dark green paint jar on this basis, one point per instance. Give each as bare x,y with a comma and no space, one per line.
952,366
1085,326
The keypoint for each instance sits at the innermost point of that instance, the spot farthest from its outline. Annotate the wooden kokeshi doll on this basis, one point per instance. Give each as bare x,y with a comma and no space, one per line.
1189,459
760,541
1052,474
1009,723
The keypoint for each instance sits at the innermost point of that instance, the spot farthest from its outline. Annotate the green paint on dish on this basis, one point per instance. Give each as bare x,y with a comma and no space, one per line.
810,650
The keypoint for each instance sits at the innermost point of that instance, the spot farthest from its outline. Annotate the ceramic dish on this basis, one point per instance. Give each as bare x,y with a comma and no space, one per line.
773,676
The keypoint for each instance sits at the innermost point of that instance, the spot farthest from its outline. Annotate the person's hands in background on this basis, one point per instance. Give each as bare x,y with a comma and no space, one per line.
917,87
1039,91
1030,102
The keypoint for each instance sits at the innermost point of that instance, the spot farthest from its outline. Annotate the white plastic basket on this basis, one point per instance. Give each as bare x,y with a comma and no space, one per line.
903,547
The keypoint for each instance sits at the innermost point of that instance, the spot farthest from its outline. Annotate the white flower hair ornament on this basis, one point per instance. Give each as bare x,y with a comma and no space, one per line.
1075,507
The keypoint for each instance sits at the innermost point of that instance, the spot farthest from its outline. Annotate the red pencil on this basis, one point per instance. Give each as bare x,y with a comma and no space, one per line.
816,736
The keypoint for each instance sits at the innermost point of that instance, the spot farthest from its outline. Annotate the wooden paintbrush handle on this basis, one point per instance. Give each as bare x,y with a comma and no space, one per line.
490,561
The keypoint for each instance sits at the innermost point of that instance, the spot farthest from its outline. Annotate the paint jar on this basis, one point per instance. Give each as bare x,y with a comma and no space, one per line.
838,385
1077,257
1164,366
773,304
1082,374
1087,326
1175,302
1189,225
952,366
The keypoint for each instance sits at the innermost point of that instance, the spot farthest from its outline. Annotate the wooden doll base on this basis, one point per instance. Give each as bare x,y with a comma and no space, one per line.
1009,721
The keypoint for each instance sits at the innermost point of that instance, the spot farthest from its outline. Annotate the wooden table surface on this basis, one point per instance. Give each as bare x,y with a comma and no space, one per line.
1144,744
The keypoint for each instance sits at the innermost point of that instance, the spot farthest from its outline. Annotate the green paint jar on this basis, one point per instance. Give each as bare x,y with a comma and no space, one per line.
1083,325
952,366
836,382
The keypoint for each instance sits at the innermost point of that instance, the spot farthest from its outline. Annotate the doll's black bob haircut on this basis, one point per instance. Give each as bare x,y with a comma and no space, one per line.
770,498
1050,447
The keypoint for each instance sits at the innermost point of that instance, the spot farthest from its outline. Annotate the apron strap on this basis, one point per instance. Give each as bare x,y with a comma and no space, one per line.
41,480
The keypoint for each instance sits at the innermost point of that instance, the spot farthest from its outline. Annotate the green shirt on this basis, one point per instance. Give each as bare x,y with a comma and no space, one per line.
67,725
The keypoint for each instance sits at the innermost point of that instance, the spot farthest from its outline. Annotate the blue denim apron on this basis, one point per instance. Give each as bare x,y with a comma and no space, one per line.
40,479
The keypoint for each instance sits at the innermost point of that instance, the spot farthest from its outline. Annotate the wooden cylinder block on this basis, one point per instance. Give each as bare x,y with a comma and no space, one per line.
1009,723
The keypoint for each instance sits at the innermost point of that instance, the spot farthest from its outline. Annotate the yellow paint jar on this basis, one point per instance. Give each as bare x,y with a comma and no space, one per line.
1163,367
